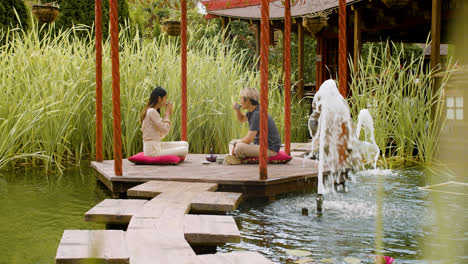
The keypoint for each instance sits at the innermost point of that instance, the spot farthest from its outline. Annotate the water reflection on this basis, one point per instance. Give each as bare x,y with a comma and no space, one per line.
37,208
348,225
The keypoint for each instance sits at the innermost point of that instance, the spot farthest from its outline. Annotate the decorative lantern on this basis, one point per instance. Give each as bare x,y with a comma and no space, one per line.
314,24
45,13
395,3
171,27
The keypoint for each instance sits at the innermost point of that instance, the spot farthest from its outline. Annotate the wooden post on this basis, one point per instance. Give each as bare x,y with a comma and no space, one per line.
117,135
257,43
287,75
98,40
435,48
343,50
183,59
435,33
265,25
357,40
224,23
300,55
319,63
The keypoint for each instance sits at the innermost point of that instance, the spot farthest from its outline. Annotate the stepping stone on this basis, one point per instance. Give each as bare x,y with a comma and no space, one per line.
105,246
235,258
216,202
152,247
303,147
114,211
210,230
151,189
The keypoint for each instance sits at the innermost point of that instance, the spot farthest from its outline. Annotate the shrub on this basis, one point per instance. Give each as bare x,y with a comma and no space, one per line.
8,17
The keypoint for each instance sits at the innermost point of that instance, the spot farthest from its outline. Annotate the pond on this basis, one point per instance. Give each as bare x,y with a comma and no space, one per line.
37,208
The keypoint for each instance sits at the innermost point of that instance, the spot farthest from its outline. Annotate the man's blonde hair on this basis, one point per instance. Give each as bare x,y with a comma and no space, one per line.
250,93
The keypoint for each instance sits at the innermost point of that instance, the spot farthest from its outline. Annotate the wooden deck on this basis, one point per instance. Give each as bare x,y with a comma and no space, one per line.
293,176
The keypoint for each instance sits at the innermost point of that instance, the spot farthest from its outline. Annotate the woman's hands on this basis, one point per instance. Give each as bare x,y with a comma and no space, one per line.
168,108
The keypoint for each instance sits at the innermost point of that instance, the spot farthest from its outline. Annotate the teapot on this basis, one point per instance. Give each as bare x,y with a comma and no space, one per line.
211,157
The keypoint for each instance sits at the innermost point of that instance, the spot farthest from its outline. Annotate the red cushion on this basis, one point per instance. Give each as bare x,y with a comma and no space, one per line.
141,159
280,158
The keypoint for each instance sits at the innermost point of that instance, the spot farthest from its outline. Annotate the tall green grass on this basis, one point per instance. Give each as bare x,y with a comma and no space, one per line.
47,82
407,112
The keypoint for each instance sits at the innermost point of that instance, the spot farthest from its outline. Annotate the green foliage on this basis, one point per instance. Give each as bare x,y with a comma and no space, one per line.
8,17
399,93
48,111
75,12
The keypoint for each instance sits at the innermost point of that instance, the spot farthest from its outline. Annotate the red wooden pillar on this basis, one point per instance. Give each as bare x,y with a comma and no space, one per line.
287,76
98,40
343,50
265,43
183,59
117,138
342,68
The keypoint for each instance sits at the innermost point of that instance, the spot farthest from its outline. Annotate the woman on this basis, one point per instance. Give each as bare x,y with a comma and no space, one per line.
156,128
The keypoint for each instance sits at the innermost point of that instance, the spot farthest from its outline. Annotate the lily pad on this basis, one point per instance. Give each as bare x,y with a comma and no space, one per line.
352,260
327,260
298,253
305,260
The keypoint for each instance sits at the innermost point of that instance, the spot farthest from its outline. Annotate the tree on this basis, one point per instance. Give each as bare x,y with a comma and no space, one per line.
74,12
8,17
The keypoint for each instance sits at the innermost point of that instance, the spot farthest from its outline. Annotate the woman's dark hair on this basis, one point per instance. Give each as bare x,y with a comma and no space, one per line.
157,93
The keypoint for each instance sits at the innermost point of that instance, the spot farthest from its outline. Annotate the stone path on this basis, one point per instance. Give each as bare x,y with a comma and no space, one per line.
159,230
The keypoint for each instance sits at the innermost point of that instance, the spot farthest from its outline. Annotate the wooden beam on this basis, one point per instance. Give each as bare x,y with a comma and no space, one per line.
343,50
357,39
435,48
435,33
300,70
319,63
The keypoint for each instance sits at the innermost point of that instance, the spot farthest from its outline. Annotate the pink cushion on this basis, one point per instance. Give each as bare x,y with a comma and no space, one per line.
280,158
141,159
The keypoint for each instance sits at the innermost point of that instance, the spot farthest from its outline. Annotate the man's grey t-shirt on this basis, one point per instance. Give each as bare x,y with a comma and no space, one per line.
274,140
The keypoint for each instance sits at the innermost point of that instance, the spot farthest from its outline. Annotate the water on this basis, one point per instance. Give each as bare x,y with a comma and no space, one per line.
347,227
36,209
368,148
339,148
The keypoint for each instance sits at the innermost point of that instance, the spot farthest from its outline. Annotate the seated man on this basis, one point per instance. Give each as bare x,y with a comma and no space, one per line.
241,148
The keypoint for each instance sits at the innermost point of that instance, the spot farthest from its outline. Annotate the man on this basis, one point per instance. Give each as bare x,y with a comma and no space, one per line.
241,148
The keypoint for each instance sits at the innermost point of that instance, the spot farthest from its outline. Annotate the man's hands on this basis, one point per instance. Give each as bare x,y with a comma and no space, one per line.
239,115
236,106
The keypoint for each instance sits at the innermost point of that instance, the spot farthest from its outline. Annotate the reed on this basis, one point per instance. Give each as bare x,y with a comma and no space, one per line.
407,112
47,82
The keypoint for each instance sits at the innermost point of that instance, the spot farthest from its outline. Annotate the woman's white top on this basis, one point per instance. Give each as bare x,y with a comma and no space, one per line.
154,127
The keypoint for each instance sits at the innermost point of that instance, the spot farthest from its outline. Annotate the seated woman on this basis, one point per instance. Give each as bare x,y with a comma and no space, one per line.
156,128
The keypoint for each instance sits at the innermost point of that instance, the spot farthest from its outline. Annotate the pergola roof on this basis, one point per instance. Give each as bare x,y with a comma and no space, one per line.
251,8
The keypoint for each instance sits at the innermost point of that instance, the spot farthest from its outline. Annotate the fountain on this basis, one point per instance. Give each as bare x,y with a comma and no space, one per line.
368,147
338,147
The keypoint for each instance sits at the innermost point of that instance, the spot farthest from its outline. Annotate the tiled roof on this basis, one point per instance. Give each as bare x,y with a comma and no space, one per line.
303,7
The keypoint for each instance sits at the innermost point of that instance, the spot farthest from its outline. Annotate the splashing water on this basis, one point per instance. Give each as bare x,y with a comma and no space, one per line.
338,147
368,147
